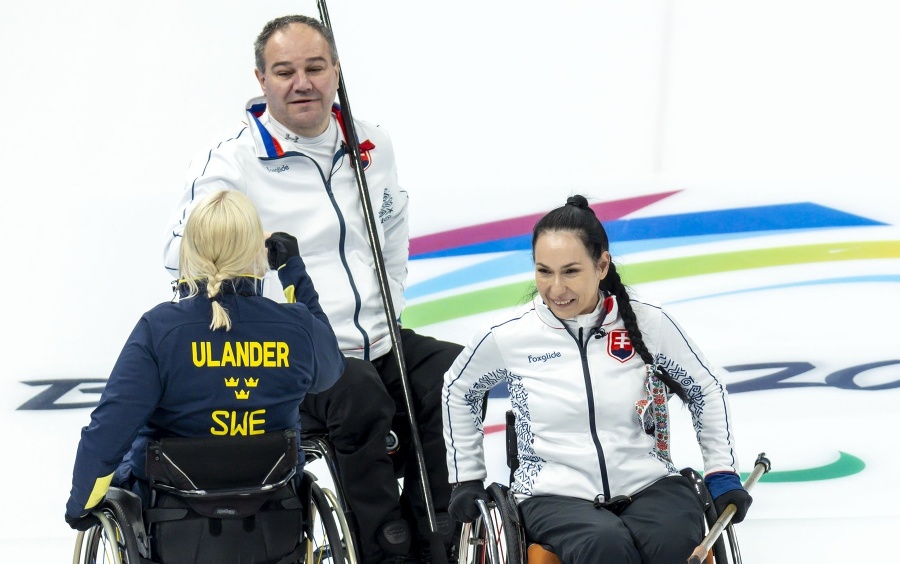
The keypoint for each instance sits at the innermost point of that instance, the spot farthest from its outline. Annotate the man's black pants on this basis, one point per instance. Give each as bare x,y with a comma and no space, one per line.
358,412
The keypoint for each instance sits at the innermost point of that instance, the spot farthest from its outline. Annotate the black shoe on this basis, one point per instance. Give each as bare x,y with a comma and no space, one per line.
452,556
394,539
449,531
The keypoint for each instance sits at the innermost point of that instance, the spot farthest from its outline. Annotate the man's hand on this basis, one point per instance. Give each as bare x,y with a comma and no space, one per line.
463,506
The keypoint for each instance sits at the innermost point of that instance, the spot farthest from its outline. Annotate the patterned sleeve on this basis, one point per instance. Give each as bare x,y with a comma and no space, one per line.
476,370
700,379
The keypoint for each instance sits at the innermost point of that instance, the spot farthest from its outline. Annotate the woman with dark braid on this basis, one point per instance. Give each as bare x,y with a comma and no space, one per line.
590,371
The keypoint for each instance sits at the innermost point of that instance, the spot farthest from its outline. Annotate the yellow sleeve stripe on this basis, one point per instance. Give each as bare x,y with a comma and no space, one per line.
101,486
289,291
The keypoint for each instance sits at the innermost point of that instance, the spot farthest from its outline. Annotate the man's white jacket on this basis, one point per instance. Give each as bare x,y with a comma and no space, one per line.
322,209
574,394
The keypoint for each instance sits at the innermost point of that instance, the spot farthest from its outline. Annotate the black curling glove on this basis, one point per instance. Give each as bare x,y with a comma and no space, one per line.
462,501
725,488
741,500
281,246
82,523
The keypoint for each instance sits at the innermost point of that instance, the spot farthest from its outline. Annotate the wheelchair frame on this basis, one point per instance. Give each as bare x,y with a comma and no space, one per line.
317,446
122,537
498,537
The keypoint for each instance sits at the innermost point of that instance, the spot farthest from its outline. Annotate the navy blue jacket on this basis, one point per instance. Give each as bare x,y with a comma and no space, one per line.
177,377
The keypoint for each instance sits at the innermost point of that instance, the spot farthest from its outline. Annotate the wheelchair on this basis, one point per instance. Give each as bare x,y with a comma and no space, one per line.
497,536
222,499
317,446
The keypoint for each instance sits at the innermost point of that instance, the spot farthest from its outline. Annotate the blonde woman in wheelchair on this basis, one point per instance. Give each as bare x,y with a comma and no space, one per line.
590,371
220,360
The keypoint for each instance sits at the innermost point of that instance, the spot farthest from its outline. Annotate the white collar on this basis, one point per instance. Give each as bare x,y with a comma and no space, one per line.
606,309
326,139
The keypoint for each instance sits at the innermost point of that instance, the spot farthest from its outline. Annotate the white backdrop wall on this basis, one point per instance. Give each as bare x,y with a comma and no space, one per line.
497,109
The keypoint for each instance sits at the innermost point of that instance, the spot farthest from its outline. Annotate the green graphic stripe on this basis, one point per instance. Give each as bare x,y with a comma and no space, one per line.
509,295
758,258
845,465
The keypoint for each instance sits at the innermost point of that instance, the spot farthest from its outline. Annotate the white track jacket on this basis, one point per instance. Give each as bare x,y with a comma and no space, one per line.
573,393
322,209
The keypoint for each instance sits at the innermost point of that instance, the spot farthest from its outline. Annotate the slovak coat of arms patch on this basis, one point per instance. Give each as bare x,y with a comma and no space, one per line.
618,345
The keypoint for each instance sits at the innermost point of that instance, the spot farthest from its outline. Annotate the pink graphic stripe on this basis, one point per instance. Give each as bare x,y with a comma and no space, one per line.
516,226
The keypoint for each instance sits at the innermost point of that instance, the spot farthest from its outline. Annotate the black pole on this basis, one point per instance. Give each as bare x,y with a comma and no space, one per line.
435,540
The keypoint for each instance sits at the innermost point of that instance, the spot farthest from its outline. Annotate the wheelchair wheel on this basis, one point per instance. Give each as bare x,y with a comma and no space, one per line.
496,537
328,539
105,543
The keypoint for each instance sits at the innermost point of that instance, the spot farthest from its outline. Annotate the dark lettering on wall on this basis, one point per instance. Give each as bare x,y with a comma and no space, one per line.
778,377
47,399
844,379
783,371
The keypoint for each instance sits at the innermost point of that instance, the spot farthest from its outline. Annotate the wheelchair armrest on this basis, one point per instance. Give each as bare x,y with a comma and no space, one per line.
699,486
128,506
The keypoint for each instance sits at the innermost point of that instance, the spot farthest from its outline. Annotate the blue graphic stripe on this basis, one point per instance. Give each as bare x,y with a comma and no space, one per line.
894,278
804,215
642,234
520,263
721,222
491,269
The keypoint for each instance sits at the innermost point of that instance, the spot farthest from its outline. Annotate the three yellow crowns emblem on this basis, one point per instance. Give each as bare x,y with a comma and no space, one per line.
241,394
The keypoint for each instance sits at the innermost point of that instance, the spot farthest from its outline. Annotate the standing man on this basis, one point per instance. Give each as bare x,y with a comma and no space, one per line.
291,158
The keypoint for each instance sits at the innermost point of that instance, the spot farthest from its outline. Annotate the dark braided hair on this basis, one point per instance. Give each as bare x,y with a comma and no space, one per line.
578,218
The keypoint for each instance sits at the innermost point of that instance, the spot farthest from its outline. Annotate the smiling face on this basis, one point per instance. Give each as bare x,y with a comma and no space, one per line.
565,275
300,79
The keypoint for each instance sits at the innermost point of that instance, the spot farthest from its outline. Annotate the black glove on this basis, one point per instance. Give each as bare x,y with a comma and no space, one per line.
741,500
82,523
462,501
725,488
281,246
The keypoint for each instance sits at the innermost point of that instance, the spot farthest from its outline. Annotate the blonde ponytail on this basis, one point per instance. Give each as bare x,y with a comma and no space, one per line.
220,317
223,239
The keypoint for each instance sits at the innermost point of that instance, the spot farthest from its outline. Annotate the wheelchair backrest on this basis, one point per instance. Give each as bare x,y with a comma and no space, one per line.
226,499
222,463
221,475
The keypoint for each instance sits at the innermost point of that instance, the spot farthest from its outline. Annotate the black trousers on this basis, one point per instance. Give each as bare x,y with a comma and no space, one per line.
358,412
663,525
